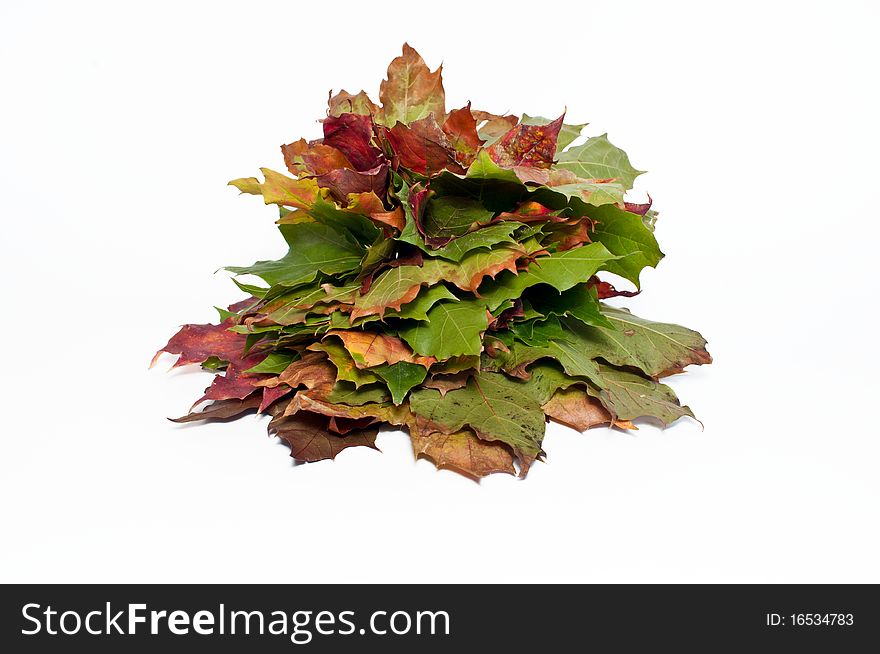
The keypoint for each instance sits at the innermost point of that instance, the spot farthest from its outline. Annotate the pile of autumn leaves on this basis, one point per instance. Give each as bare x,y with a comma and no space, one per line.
441,278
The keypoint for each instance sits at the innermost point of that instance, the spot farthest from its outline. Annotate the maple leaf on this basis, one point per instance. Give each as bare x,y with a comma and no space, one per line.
492,126
463,452
282,190
598,159
313,371
569,235
460,128
589,192
369,348
312,159
567,133
450,329
625,235
527,145
313,248
369,204
575,408
232,384
343,182
309,437
628,396
346,103
494,406
659,349
352,135
401,378
449,217
422,147
561,270
346,369
411,91
445,383
197,343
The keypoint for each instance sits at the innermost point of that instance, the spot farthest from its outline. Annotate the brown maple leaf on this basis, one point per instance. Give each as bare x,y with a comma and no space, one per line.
310,439
575,408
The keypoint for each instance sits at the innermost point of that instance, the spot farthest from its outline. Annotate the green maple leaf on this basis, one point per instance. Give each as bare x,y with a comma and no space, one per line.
427,298
628,396
314,248
578,302
561,270
274,363
487,237
401,377
626,235
493,405
364,230
347,393
659,349
566,188
448,217
599,159
539,332
451,329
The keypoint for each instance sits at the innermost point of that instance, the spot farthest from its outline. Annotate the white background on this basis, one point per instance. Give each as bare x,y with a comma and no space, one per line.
119,127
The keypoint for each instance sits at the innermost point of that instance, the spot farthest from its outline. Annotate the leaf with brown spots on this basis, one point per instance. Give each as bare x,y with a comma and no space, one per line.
527,145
